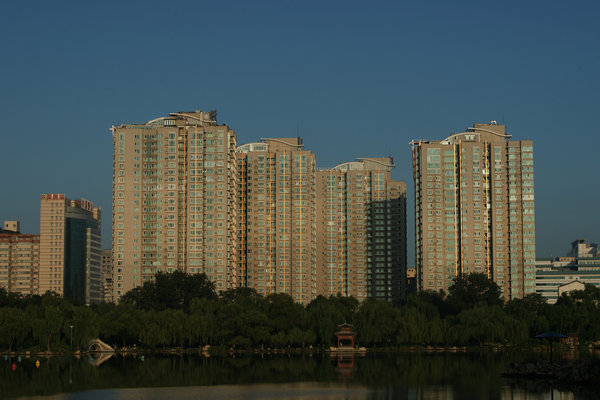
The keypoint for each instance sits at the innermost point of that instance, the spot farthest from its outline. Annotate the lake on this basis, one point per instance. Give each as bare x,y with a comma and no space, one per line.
471,375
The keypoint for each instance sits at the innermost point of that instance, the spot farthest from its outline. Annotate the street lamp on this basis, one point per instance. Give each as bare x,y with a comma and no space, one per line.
71,347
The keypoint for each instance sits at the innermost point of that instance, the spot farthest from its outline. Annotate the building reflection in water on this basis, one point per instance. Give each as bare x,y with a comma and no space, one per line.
345,364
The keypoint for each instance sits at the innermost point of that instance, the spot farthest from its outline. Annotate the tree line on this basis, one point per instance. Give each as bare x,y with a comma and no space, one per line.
181,310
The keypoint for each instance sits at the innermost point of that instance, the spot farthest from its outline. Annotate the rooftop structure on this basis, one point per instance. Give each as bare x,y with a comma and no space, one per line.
12,226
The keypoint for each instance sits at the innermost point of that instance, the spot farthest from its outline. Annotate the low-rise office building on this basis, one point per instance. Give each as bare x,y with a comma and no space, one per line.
562,274
70,249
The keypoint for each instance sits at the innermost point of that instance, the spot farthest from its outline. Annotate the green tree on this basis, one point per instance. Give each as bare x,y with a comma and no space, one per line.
376,322
468,290
242,295
10,299
577,312
202,325
487,324
47,326
243,324
14,327
324,318
531,310
122,324
284,315
534,302
345,305
170,291
85,326
438,300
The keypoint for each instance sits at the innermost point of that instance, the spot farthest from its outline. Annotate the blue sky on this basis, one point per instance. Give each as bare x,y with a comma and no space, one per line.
354,79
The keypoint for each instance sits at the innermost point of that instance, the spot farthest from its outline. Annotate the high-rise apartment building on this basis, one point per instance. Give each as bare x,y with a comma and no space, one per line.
474,209
19,260
107,269
361,230
276,218
70,249
174,199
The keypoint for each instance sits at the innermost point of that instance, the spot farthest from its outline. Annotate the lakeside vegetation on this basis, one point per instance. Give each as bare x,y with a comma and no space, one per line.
184,311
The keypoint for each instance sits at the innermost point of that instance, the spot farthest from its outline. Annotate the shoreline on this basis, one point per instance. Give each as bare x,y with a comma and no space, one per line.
208,351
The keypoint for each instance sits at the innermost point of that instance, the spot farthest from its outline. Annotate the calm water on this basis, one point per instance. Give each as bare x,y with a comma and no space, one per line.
379,376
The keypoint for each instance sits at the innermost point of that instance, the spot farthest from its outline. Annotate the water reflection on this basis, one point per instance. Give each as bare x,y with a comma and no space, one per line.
345,363
102,357
321,376
296,391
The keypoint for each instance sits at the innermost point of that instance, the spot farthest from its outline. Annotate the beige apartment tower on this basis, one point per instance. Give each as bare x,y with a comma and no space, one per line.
361,231
19,260
174,200
276,218
474,209
70,249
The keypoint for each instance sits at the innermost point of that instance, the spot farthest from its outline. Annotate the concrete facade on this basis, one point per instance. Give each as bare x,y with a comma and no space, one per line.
174,200
185,198
70,248
107,269
19,260
474,209
276,218
361,231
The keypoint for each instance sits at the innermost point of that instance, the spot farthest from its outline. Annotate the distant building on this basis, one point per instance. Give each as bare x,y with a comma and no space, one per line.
474,209
12,226
361,231
70,249
581,249
566,260
570,287
276,218
411,280
564,274
19,260
107,268
550,277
